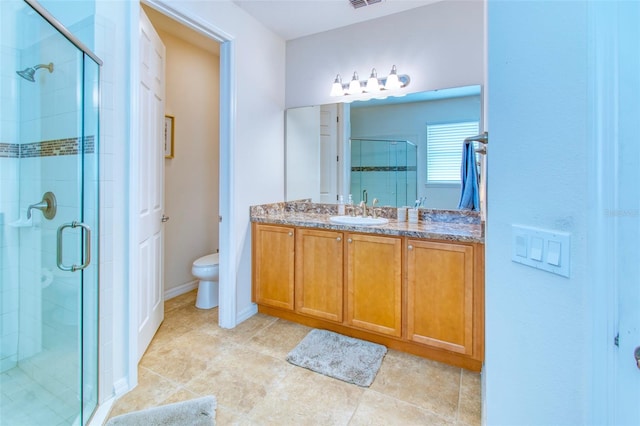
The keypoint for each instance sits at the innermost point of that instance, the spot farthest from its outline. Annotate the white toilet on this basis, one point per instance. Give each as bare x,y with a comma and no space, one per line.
206,270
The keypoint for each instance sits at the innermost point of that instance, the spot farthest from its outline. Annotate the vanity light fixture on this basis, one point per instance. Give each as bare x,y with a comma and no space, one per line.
393,82
373,84
337,89
354,86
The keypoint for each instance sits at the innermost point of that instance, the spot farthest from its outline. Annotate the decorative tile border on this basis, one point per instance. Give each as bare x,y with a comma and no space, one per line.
52,148
384,169
9,150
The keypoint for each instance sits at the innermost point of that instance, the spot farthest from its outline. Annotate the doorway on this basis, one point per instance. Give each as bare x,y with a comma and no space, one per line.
191,164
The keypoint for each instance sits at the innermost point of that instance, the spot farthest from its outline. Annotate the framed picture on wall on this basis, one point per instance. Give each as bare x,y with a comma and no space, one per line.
168,136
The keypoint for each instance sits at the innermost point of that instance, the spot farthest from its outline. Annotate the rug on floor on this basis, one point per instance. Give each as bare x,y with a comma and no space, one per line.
195,412
345,358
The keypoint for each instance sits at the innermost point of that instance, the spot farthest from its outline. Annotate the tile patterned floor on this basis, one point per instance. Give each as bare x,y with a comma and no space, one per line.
245,369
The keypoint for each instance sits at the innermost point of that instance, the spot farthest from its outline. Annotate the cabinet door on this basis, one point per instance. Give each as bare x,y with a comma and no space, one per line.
440,295
374,281
319,273
273,267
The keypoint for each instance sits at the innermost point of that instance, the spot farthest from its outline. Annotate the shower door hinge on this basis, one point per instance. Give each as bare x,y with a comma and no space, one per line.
616,340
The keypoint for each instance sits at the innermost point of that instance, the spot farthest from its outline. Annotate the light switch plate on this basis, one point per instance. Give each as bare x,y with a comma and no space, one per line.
543,249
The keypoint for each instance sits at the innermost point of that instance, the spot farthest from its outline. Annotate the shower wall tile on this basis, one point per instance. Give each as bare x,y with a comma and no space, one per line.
107,166
30,130
9,351
107,95
9,324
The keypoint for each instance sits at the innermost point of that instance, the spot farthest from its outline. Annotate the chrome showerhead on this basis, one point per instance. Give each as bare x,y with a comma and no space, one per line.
28,73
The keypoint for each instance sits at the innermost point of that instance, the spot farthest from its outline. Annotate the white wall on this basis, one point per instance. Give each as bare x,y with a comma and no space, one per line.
439,46
191,178
537,324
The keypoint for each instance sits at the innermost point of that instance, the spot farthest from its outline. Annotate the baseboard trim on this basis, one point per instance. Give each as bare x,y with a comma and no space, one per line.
120,387
247,313
102,413
181,289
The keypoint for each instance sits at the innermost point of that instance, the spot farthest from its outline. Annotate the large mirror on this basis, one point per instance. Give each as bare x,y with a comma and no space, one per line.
379,149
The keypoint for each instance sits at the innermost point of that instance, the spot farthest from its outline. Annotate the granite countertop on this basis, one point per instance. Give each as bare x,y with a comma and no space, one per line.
448,225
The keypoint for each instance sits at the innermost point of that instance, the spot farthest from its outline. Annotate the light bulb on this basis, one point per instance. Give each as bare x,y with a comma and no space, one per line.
354,86
336,88
373,85
393,82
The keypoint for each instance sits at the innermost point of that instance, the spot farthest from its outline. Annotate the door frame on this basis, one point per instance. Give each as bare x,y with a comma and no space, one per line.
603,92
227,243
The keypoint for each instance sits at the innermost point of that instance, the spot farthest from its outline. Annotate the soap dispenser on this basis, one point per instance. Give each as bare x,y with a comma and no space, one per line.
341,208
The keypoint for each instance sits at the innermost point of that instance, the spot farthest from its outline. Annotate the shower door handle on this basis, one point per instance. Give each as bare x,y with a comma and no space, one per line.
87,246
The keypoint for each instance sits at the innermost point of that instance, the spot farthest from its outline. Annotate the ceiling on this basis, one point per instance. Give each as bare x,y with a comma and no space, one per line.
293,19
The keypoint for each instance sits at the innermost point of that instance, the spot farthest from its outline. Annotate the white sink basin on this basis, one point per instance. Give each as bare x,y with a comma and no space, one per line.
358,220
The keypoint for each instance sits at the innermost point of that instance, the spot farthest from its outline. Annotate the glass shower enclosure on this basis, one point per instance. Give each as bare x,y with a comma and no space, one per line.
385,169
49,93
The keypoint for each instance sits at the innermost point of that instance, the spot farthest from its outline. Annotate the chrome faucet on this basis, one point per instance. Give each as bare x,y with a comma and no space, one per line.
363,206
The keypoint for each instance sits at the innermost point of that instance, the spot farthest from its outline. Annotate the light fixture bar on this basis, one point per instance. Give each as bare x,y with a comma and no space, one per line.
373,84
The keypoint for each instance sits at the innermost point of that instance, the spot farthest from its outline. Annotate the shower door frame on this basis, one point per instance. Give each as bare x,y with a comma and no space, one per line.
90,254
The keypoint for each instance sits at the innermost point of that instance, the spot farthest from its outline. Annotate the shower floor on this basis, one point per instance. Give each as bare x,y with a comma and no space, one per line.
25,402
43,389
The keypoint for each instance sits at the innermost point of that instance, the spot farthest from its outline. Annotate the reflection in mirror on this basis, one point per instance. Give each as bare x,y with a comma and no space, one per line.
387,168
377,149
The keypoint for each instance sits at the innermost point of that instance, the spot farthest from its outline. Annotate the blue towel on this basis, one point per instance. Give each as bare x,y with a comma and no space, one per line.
470,194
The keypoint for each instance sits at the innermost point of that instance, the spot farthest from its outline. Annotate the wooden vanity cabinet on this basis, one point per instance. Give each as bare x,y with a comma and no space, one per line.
420,296
319,273
442,306
374,283
273,265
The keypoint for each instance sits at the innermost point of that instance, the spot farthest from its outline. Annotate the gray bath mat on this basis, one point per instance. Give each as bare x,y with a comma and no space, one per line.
341,357
195,412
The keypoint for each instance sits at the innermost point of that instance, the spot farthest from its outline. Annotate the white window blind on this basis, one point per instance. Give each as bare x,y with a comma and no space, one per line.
444,150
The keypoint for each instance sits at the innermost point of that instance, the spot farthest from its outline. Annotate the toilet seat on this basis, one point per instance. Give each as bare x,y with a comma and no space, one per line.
206,266
208,260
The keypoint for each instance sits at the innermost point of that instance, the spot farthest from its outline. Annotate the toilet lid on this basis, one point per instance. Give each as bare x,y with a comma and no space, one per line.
208,260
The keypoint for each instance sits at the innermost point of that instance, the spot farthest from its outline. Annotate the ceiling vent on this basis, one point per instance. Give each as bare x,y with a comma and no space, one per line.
362,3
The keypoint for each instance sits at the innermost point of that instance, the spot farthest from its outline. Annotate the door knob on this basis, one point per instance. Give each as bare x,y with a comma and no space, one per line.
636,354
164,219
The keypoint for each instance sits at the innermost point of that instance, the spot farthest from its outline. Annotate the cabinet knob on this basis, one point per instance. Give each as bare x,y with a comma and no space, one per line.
338,239
349,240
410,247
290,234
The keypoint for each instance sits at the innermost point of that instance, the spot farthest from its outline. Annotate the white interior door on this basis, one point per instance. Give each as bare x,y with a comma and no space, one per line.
150,181
329,153
302,154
